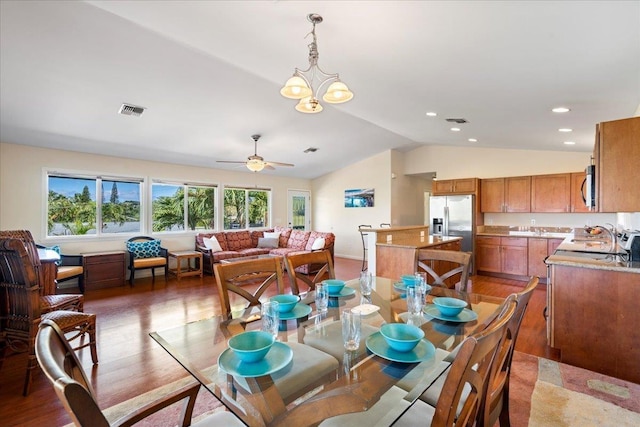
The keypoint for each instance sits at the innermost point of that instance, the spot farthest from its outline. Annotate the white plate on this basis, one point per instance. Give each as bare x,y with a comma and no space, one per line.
365,309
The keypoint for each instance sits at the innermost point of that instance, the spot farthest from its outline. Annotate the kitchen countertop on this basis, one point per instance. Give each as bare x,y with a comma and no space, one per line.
591,252
420,242
538,232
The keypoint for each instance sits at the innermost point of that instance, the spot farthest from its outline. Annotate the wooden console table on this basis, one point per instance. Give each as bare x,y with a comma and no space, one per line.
104,269
196,270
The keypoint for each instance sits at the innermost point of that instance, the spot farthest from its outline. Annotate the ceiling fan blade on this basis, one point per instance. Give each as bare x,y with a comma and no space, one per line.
268,166
231,161
278,163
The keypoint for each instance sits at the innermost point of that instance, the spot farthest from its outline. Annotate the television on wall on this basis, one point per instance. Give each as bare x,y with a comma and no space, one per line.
359,198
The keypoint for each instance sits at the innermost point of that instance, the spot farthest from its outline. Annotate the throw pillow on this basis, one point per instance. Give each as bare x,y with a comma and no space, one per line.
212,243
267,242
149,249
56,249
272,235
318,244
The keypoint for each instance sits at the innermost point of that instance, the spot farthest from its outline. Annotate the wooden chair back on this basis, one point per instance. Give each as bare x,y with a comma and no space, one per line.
317,258
471,368
497,401
249,279
455,264
61,366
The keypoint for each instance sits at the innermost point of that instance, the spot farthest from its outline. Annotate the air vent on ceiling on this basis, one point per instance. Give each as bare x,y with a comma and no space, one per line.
311,150
459,121
131,110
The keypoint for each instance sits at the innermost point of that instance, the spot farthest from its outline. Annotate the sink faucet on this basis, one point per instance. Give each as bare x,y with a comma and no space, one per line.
612,234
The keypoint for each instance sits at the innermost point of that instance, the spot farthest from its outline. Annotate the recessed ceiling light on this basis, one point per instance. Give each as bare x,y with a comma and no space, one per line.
455,129
432,114
565,130
473,140
569,143
561,110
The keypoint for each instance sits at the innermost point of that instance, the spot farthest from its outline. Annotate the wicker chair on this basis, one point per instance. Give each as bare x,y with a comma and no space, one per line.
49,300
20,311
322,259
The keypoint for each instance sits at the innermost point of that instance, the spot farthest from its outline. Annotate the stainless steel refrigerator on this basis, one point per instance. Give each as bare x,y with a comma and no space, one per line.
454,216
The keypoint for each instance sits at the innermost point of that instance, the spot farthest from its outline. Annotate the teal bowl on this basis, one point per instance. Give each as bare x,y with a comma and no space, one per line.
286,302
409,279
334,285
401,336
251,346
449,307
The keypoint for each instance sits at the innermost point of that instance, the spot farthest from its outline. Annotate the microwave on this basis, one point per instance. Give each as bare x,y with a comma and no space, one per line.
589,187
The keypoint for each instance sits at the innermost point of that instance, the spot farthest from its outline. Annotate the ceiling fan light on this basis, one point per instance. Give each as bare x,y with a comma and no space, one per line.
255,165
337,93
295,88
309,105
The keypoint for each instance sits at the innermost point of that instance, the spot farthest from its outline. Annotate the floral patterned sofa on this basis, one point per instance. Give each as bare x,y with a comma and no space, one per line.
238,244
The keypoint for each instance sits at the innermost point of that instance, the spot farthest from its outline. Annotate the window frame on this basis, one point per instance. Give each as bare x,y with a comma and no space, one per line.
185,186
246,189
98,178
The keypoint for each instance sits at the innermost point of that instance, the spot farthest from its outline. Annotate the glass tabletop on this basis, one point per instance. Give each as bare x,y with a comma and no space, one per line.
359,383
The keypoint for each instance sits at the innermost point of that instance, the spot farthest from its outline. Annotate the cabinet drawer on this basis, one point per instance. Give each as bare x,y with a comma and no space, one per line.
103,259
514,241
486,240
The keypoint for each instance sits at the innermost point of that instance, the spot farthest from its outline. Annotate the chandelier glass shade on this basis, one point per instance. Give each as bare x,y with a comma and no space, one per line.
301,84
255,165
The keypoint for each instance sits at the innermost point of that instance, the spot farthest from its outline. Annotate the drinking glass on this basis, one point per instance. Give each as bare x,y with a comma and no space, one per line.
322,297
350,329
365,283
270,317
415,300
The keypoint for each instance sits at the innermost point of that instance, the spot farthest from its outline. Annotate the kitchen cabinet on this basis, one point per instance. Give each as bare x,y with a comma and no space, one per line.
442,187
616,155
551,193
577,202
511,194
506,255
538,249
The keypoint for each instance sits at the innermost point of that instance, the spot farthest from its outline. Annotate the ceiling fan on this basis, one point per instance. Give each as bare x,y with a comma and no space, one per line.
256,163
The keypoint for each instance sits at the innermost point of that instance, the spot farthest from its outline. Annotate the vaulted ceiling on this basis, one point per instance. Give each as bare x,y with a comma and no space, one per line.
209,75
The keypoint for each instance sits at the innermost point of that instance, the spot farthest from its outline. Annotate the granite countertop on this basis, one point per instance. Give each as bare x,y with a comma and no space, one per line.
420,241
508,231
582,260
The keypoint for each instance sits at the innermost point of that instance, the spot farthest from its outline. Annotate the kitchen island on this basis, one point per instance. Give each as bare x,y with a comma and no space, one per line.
592,307
372,236
398,257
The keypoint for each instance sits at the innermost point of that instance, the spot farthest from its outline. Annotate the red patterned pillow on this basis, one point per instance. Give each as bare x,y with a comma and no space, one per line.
238,240
298,239
284,235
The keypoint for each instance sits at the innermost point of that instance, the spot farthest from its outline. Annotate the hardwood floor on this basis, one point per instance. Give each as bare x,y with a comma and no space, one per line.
131,363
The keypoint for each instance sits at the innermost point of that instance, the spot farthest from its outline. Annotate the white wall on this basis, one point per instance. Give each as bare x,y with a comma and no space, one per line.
22,184
329,213
407,194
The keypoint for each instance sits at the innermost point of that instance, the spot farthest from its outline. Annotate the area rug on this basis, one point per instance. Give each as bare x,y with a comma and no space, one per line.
543,393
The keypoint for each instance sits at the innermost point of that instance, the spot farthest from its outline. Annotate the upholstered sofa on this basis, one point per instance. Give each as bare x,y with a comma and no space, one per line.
244,243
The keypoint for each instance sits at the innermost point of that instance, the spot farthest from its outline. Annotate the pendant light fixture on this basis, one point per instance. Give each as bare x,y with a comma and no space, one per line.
301,85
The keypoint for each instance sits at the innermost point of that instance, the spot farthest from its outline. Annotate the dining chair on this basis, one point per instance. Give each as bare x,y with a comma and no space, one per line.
71,384
320,259
146,253
455,264
496,406
49,299
20,311
463,394
249,280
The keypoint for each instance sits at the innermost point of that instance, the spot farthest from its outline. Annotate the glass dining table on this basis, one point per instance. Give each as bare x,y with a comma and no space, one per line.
373,384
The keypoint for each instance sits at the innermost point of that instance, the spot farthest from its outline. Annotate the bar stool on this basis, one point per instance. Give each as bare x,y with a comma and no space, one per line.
363,235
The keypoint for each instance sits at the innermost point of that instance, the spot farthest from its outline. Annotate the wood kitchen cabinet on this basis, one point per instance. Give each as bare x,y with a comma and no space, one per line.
539,249
511,194
442,187
506,255
616,155
551,193
577,201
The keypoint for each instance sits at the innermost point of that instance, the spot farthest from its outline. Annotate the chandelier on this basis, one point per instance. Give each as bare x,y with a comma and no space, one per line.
301,85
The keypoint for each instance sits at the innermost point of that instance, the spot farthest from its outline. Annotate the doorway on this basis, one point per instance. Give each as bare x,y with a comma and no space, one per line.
299,210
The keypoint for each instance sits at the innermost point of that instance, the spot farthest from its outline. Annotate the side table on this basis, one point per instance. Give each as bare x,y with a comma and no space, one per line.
104,269
196,270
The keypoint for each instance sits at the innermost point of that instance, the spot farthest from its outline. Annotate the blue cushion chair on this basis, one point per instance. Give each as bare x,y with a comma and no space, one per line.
146,253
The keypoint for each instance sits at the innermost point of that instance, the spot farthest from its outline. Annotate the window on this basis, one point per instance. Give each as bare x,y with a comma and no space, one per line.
246,208
171,212
76,203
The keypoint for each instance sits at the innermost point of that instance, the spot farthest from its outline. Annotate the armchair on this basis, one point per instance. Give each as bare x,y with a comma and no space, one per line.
70,267
146,252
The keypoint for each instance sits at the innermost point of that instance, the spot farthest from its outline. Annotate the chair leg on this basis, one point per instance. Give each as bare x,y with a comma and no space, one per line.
153,275
92,341
81,283
32,364
131,276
